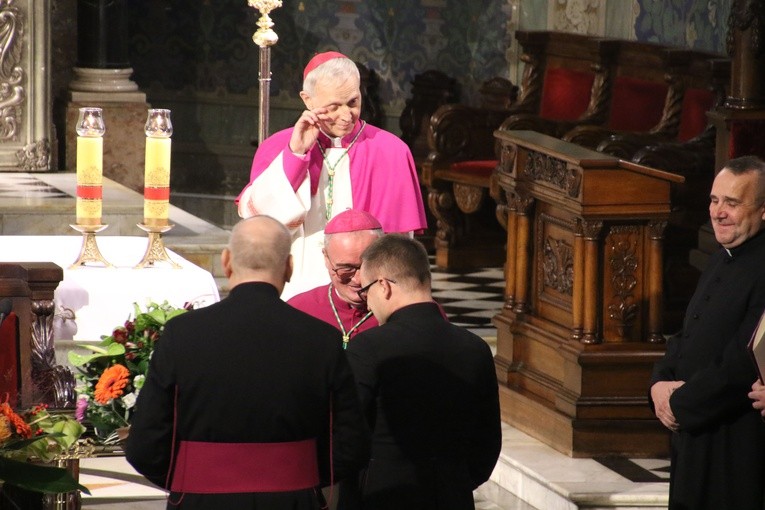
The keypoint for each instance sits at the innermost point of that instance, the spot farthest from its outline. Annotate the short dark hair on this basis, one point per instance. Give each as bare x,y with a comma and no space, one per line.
399,257
746,164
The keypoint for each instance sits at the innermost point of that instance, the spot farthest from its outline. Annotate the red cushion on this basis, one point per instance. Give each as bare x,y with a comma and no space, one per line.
693,118
478,168
636,104
9,359
565,94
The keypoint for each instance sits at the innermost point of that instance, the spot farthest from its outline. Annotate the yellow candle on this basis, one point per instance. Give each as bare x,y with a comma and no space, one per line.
89,179
156,191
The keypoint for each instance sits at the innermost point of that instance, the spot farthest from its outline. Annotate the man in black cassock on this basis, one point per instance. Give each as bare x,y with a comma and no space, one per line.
699,388
428,389
245,398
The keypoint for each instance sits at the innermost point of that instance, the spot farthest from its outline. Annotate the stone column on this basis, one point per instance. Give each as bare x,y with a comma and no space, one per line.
102,79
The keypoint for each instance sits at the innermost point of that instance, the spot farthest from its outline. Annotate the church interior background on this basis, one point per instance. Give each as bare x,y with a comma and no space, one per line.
197,58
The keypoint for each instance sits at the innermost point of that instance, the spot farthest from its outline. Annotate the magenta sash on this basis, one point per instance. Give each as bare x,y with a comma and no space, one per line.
224,468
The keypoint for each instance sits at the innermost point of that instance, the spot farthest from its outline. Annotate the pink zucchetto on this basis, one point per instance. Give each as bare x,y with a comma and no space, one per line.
352,220
319,59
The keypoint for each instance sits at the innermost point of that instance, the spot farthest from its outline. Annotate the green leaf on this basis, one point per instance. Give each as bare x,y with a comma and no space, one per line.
38,478
112,350
158,316
23,443
175,313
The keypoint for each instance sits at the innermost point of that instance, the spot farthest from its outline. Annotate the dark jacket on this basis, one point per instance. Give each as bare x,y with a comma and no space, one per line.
248,369
429,392
718,455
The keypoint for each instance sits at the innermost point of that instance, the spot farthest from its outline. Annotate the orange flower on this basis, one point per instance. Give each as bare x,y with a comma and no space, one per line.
22,428
5,428
112,382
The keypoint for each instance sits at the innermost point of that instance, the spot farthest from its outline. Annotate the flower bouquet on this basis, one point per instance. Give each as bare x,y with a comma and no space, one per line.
110,378
29,440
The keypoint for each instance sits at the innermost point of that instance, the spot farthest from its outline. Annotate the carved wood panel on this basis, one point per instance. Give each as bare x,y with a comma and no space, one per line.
624,264
554,249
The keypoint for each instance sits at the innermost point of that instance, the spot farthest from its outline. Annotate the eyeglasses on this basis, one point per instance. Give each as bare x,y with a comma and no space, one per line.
363,291
345,271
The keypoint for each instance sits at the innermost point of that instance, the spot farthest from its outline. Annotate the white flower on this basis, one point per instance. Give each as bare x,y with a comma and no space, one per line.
129,400
138,381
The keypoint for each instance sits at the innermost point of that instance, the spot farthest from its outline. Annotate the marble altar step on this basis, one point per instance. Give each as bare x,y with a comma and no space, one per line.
549,480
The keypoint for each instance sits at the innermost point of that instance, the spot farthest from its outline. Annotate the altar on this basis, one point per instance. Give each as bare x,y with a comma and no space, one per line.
91,300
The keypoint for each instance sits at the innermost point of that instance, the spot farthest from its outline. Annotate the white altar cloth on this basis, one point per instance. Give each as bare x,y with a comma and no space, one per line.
102,298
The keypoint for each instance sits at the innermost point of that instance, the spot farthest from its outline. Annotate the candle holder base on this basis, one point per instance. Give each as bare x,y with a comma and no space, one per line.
155,251
89,253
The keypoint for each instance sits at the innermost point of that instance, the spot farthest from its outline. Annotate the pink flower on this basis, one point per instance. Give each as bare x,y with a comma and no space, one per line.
82,406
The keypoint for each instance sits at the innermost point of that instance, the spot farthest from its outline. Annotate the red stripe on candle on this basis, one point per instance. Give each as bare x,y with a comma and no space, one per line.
156,193
90,192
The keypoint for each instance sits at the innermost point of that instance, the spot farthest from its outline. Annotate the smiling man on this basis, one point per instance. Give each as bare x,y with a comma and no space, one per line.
699,388
330,161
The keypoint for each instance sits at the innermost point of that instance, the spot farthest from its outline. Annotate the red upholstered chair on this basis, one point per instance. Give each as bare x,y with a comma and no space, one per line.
563,73
662,95
566,81
645,94
565,93
691,151
9,360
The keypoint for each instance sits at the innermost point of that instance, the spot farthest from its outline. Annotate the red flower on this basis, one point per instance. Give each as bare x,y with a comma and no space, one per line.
120,335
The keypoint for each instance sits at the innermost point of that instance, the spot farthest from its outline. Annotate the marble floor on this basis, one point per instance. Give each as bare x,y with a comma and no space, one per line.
528,476
114,485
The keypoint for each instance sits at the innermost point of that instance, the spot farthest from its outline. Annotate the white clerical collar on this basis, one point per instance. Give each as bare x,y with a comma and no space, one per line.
338,142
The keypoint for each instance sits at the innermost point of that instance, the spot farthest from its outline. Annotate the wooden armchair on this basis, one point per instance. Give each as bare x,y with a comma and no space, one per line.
459,132
659,94
704,89
457,174
566,82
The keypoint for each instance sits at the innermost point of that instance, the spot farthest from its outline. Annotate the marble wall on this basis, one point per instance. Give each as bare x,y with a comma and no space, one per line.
198,59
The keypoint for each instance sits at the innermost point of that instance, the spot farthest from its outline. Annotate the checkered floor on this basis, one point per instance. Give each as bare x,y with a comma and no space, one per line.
470,297
19,185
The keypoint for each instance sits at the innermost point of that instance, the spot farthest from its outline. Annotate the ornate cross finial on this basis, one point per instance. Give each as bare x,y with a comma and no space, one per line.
265,36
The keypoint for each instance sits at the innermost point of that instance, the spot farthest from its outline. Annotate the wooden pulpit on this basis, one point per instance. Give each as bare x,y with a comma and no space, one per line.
582,322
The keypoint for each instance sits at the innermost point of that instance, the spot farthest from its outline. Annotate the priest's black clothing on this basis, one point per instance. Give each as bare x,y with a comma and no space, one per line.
249,369
429,391
718,454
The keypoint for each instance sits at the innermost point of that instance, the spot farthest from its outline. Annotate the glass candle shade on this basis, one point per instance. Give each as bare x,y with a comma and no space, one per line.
90,154
156,188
